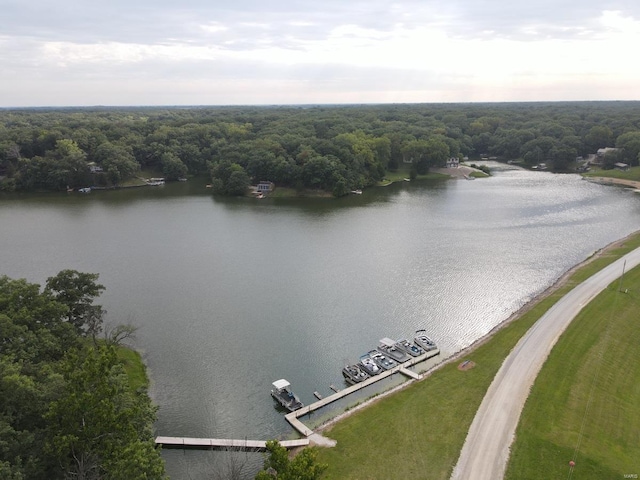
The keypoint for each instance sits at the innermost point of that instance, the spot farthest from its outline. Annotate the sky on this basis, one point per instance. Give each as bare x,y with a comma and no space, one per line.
254,52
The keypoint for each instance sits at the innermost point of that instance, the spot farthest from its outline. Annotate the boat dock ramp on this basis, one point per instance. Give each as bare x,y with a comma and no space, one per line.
293,417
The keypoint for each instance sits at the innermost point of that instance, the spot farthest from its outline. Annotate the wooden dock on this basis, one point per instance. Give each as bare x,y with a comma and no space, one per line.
293,417
225,444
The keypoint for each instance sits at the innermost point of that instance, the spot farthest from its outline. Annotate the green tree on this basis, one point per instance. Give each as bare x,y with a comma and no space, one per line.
303,466
68,165
98,428
229,179
630,144
172,167
598,136
77,291
117,161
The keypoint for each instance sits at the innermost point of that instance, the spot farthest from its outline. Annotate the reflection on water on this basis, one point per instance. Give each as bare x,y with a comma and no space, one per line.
232,294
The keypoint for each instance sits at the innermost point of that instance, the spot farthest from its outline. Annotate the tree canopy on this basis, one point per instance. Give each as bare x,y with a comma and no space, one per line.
334,148
66,407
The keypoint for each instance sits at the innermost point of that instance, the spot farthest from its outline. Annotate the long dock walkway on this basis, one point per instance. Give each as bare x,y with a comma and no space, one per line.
293,417
223,443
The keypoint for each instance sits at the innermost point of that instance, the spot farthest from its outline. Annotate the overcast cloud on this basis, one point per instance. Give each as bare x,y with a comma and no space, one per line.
194,52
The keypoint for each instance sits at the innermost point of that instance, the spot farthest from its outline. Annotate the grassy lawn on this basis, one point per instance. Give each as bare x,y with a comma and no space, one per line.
591,376
632,174
403,172
420,431
134,367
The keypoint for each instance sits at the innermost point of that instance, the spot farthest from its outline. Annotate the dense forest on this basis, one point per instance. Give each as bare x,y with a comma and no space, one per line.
67,407
330,148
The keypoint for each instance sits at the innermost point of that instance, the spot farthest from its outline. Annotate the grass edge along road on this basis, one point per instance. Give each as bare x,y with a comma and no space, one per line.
420,430
583,407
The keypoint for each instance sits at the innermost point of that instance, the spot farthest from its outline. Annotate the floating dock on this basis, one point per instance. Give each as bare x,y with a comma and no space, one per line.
225,444
293,417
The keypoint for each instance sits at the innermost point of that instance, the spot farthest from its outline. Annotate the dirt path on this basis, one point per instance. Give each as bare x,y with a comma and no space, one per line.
486,450
615,181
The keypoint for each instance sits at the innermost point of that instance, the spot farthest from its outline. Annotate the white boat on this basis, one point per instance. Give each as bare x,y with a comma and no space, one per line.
368,365
411,348
389,348
385,362
357,192
423,341
354,374
85,190
154,182
281,391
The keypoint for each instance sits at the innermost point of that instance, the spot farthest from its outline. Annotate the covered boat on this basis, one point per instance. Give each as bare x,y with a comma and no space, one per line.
389,348
411,348
281,391
422,340
368,365
354,374
385,362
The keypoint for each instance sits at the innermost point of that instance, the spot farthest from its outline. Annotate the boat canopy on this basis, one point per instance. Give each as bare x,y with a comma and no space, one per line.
388,342
280,384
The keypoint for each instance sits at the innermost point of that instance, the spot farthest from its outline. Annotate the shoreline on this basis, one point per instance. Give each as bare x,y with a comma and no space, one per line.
614,181
560,282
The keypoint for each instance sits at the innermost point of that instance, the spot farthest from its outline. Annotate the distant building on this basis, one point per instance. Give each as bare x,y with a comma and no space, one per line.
621,166
453,162
94,167
265,187
602,152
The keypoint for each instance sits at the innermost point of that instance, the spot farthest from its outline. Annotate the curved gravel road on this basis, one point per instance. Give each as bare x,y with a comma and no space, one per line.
486,450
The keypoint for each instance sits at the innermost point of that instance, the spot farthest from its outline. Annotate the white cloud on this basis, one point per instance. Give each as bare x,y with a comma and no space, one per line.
409,51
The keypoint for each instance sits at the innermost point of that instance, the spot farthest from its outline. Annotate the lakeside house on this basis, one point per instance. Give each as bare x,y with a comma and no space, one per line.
265,187
453,162
601,153
94,167
621,166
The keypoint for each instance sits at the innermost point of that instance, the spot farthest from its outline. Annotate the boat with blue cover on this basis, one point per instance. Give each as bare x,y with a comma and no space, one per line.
411,348
385,362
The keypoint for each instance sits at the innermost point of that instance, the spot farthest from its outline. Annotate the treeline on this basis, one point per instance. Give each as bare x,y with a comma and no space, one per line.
332,148
67,409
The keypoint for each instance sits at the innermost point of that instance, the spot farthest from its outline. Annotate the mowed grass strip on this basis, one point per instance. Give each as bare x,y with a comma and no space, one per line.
587,396
419,431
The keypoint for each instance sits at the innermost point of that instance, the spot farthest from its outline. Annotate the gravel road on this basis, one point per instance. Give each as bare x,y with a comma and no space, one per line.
486,450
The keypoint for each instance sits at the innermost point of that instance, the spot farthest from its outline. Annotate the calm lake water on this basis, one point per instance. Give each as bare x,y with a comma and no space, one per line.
232,294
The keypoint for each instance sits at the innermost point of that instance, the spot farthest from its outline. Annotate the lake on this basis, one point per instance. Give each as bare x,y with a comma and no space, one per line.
232,294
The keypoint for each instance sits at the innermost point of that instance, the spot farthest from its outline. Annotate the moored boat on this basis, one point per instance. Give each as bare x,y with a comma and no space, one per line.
385,362
281,391
389,348
422,340
411,348
369,365
354,374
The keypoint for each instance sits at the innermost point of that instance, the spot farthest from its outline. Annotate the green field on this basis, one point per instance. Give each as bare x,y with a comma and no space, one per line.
584,404
632,174
419,432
